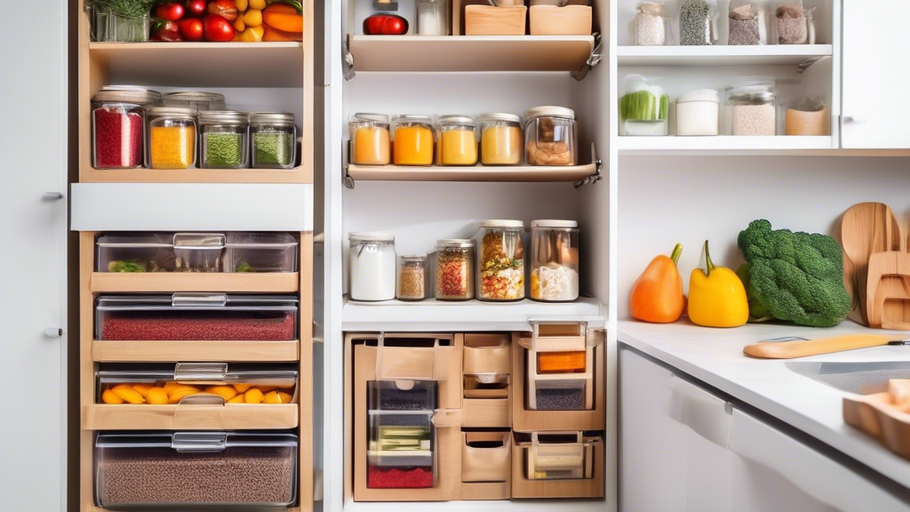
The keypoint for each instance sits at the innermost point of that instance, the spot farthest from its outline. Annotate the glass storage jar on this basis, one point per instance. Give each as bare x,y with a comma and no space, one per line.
172,138
697,22
500,261
274,140
793,23
412,140
372,266
456,141
196,100
807,115
651,24
412,277
643,107
698,112
550,136
432,18
118,22
370,141
554,260
224,139
455,269
118,126
500,139
747,23
751,108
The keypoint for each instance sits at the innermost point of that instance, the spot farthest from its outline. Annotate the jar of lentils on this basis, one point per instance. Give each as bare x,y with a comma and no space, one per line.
224,139
171,138
412,277
274,137
455,269
118,126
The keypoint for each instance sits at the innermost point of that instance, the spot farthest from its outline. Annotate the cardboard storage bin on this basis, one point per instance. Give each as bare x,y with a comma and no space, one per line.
486,466
488,20
568,20
557,465
487,390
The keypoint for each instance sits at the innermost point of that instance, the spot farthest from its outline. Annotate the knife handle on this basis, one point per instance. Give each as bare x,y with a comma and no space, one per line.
804,348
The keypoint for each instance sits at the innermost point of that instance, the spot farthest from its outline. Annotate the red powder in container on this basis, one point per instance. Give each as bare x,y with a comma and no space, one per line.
190,326
118,138
394,478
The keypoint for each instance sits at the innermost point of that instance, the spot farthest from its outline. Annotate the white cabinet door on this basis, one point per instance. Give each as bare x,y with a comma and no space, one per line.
33,238
674,456
875,75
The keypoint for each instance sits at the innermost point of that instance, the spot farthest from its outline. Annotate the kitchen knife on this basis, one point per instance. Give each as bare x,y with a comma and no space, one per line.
801,347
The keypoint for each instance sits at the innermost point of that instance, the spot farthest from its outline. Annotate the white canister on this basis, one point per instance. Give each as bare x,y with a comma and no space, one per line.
698,112
372,272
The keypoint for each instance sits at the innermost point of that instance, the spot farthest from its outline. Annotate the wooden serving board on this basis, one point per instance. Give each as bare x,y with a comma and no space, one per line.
877,416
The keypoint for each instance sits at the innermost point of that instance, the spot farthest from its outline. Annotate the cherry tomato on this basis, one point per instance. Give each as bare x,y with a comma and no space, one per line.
191,29
385,24
171,11
217,28
224,8
196,7
166,31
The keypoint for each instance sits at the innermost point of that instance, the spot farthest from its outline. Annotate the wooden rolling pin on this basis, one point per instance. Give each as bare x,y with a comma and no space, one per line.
804,348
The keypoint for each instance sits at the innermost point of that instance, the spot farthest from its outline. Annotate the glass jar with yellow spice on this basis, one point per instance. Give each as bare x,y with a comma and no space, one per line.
370,141
172,138
501,139
412,140
456,140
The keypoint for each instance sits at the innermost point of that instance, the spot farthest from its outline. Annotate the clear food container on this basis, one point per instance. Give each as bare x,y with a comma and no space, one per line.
643,107
562,362
412,140
500,261
370,139
372,266
432,18
119,22
560,395
501,139
196,100
455,269
793,23
550,136
412,277
402,395
698,113
224,139
697,22
456,141
751,108
401,453
747,23
172,138
118,126
260,252
180,469
554,260
652,24
274,138
201,383
196,316
559,456
807,115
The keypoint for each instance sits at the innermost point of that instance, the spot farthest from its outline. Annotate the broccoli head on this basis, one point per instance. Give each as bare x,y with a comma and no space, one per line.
794,276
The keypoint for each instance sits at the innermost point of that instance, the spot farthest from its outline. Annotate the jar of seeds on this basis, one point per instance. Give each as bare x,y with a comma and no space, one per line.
224,139
747,23
274,138
412,277
697,22
651,24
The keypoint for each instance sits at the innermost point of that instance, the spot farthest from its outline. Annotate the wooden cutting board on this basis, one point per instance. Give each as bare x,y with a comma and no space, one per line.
868,228
805,348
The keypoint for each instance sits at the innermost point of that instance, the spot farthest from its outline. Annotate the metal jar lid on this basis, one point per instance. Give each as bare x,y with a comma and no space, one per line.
194,96
223,117
271,118
549,111
172,112
500,117
413,119
458,120
127,94
370,236
368,117
414,258
452,243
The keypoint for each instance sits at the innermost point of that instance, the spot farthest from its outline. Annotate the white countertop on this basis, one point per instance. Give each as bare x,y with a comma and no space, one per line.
715,357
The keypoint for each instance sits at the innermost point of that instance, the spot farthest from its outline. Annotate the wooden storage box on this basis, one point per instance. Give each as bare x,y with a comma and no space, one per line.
569,20
583,458
487,20
487,390
486,466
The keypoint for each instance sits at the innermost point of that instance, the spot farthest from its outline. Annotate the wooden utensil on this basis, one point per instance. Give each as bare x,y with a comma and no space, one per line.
802,347
888,290
876,415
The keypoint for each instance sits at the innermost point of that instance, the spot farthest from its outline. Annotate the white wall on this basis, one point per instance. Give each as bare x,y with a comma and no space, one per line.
665,200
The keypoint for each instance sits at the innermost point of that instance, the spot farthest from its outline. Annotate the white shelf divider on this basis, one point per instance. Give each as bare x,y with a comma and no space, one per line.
724,144
721,55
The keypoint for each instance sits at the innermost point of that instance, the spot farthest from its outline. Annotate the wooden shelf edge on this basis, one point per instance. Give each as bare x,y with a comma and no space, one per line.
153,46
300,174
197,351
517,173
188,417
107,282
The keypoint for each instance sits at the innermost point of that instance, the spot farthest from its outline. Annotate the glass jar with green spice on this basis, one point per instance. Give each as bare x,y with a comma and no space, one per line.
274,140
224,139
171,138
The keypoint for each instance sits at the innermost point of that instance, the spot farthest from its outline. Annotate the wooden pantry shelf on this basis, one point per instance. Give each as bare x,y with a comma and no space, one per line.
108,282
198,351
294,175
529,173
767,55
725,145
470,53
185,417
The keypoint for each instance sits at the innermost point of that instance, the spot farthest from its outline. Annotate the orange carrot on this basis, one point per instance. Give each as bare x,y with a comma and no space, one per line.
273,34
282,17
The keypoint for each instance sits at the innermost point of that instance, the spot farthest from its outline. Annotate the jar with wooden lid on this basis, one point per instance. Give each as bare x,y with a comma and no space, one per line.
455,269
501,139
171,138
370,139
550,136
456,140
412,140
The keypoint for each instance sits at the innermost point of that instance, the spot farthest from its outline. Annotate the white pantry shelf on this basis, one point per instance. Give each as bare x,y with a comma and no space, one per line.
768,55
432,315
724,144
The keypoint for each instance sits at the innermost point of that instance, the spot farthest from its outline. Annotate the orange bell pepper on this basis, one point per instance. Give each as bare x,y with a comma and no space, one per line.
657,295
282,17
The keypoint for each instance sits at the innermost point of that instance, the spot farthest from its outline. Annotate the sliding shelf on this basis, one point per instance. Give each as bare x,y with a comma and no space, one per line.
767,55
732,145
470,53
113,282
199,351
184,417
432,315
295,175
528,173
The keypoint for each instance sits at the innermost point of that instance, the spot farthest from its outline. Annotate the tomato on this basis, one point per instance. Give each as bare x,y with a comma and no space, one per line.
171,11
385,24
196,7
224,8
217,28
191,29
166,31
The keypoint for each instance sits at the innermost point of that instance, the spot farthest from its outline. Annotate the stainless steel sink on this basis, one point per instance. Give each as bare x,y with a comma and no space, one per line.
862,378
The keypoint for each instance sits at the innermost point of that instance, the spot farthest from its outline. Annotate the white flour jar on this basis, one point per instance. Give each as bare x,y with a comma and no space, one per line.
698,112
372,266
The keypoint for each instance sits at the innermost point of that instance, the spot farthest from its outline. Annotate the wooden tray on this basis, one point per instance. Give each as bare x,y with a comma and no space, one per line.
874,415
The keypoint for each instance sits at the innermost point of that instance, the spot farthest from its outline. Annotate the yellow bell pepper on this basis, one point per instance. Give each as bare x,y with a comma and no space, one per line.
717,297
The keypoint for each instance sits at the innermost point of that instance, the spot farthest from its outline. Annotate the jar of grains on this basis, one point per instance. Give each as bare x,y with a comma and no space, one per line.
455,269
412,140
751,109
651,24
550,136
456,141
274,139
697,22
172,138
370,142
224,139
118,126
698,112
793,23
500,261
747,21
372,266
554,260
501,139
412,277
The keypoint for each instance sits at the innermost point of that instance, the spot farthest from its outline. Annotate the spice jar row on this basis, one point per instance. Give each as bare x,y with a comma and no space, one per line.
548,136
749,22
749,109
489,267
133,127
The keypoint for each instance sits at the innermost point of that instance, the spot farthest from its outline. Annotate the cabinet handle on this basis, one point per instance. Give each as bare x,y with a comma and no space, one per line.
53,332
848,119
51,196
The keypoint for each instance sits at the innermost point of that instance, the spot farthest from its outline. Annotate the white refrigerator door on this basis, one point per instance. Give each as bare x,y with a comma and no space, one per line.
33,67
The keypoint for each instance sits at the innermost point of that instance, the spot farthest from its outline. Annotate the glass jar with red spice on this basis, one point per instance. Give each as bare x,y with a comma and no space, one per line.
118,126
500,261
455,269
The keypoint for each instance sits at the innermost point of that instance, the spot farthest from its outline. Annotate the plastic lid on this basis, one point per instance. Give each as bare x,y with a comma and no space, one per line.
500,223
454,242
510,118
271,118
554,223
195,96
370,236
413,118
376,118
699,95
172,111
457,119
549,111
223,116
127,94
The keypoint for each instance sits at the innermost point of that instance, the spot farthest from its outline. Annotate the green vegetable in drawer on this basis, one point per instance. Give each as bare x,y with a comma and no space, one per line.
125,266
